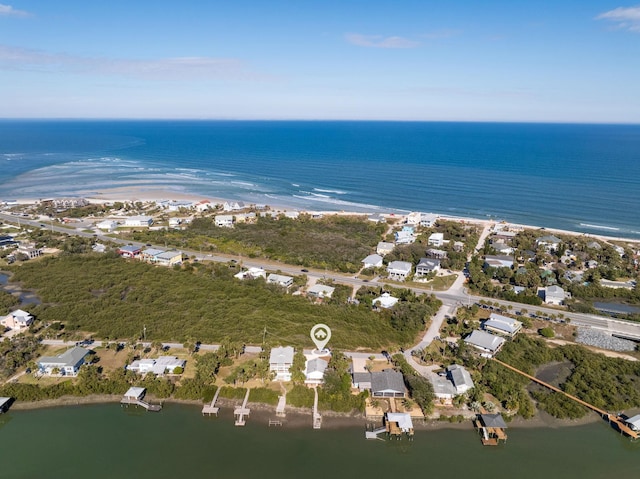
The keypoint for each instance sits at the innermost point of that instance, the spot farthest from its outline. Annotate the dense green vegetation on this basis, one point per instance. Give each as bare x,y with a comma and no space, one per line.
7,301
335,242
419,387
608,383
113,298
335,393
16,353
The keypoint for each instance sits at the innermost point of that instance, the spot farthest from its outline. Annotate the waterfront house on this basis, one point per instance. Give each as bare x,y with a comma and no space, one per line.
460,378
443,388
279,279
159,366
372,261
233,206
245,218
488,343
138,222
292,215
399,270
385,301
502,325
314,371
169,258
454,382
426,266
384,248
552,295
498,261
224,221
388,384
427,220
204,205
360,375
549,242
66,364
17,320
280,361
398,423
129,251
436,239
320,291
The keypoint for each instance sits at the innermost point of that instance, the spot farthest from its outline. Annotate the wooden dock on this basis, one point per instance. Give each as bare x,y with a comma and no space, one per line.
210,409
141,403
282,403
613,419
242,411
317,418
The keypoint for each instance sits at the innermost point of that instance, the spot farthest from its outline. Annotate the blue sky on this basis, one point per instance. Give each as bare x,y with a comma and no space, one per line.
556,61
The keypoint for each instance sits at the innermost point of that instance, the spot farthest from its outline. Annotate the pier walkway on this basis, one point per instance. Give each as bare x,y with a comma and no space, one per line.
211,408
317,418
618,421
134,396
242,411
282,403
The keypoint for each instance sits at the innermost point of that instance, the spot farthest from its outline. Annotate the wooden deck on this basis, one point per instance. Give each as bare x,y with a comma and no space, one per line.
211,408
282,403
317,418
242,411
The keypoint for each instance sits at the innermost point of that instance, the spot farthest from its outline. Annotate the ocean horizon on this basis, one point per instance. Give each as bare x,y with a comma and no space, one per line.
578,177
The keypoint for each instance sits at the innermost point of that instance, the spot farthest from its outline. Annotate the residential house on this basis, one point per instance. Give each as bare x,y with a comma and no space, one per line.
17,320
412,218
460,378
399,270
158,366
502,248
175,205
361,377
385,301
129,251
443,388
284,281
138,221
552,295
224,221
204,205
292,215
502,325
251,273
99,248
320,291
498,261
150,255
488,343
175,222
436,253
377,218
383,248
280,361
7,241
617,284
372,261
549,242
314,369
404,237
388,384
233,206
458,246
436,239
66,364
29,251
245,217
427,265
107,225
169,258
427,220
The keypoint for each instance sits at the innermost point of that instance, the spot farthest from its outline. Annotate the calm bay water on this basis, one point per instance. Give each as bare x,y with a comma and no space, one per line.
577,177
106,441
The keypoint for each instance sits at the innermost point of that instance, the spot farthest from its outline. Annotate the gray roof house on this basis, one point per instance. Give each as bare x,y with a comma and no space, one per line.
399,270
460,378
284,281
67,363
502,325
488,343
280,360
553,295
388,384
384,248
320,291
426,266
498,261
443,388
372,261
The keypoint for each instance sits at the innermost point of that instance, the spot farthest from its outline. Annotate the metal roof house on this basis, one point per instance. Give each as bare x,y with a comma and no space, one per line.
280,360
553,295
372,261
384,248
67,363
314,371
320,291
159,366
385,301
388,384
460,378
399,270
426,266
502,325
17,320
488,343
284,281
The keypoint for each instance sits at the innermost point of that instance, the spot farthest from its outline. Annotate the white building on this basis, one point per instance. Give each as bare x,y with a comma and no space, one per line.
65,364
251,273
280,362
502,325
159,366
436,239
399,270
314,369
279,279
224,221
384,248
427,220
233,206
107,225
320,291
138,221
17,320
385,301
488,343
372,261
553,295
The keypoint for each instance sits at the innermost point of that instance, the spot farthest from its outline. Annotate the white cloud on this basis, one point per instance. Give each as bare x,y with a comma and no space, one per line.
378,41
626,18
180,68
9,11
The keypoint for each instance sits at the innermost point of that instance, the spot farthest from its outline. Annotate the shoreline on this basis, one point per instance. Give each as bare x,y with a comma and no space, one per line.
126,194
296,417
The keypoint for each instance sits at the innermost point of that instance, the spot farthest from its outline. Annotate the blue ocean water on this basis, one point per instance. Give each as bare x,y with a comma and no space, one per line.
576,177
